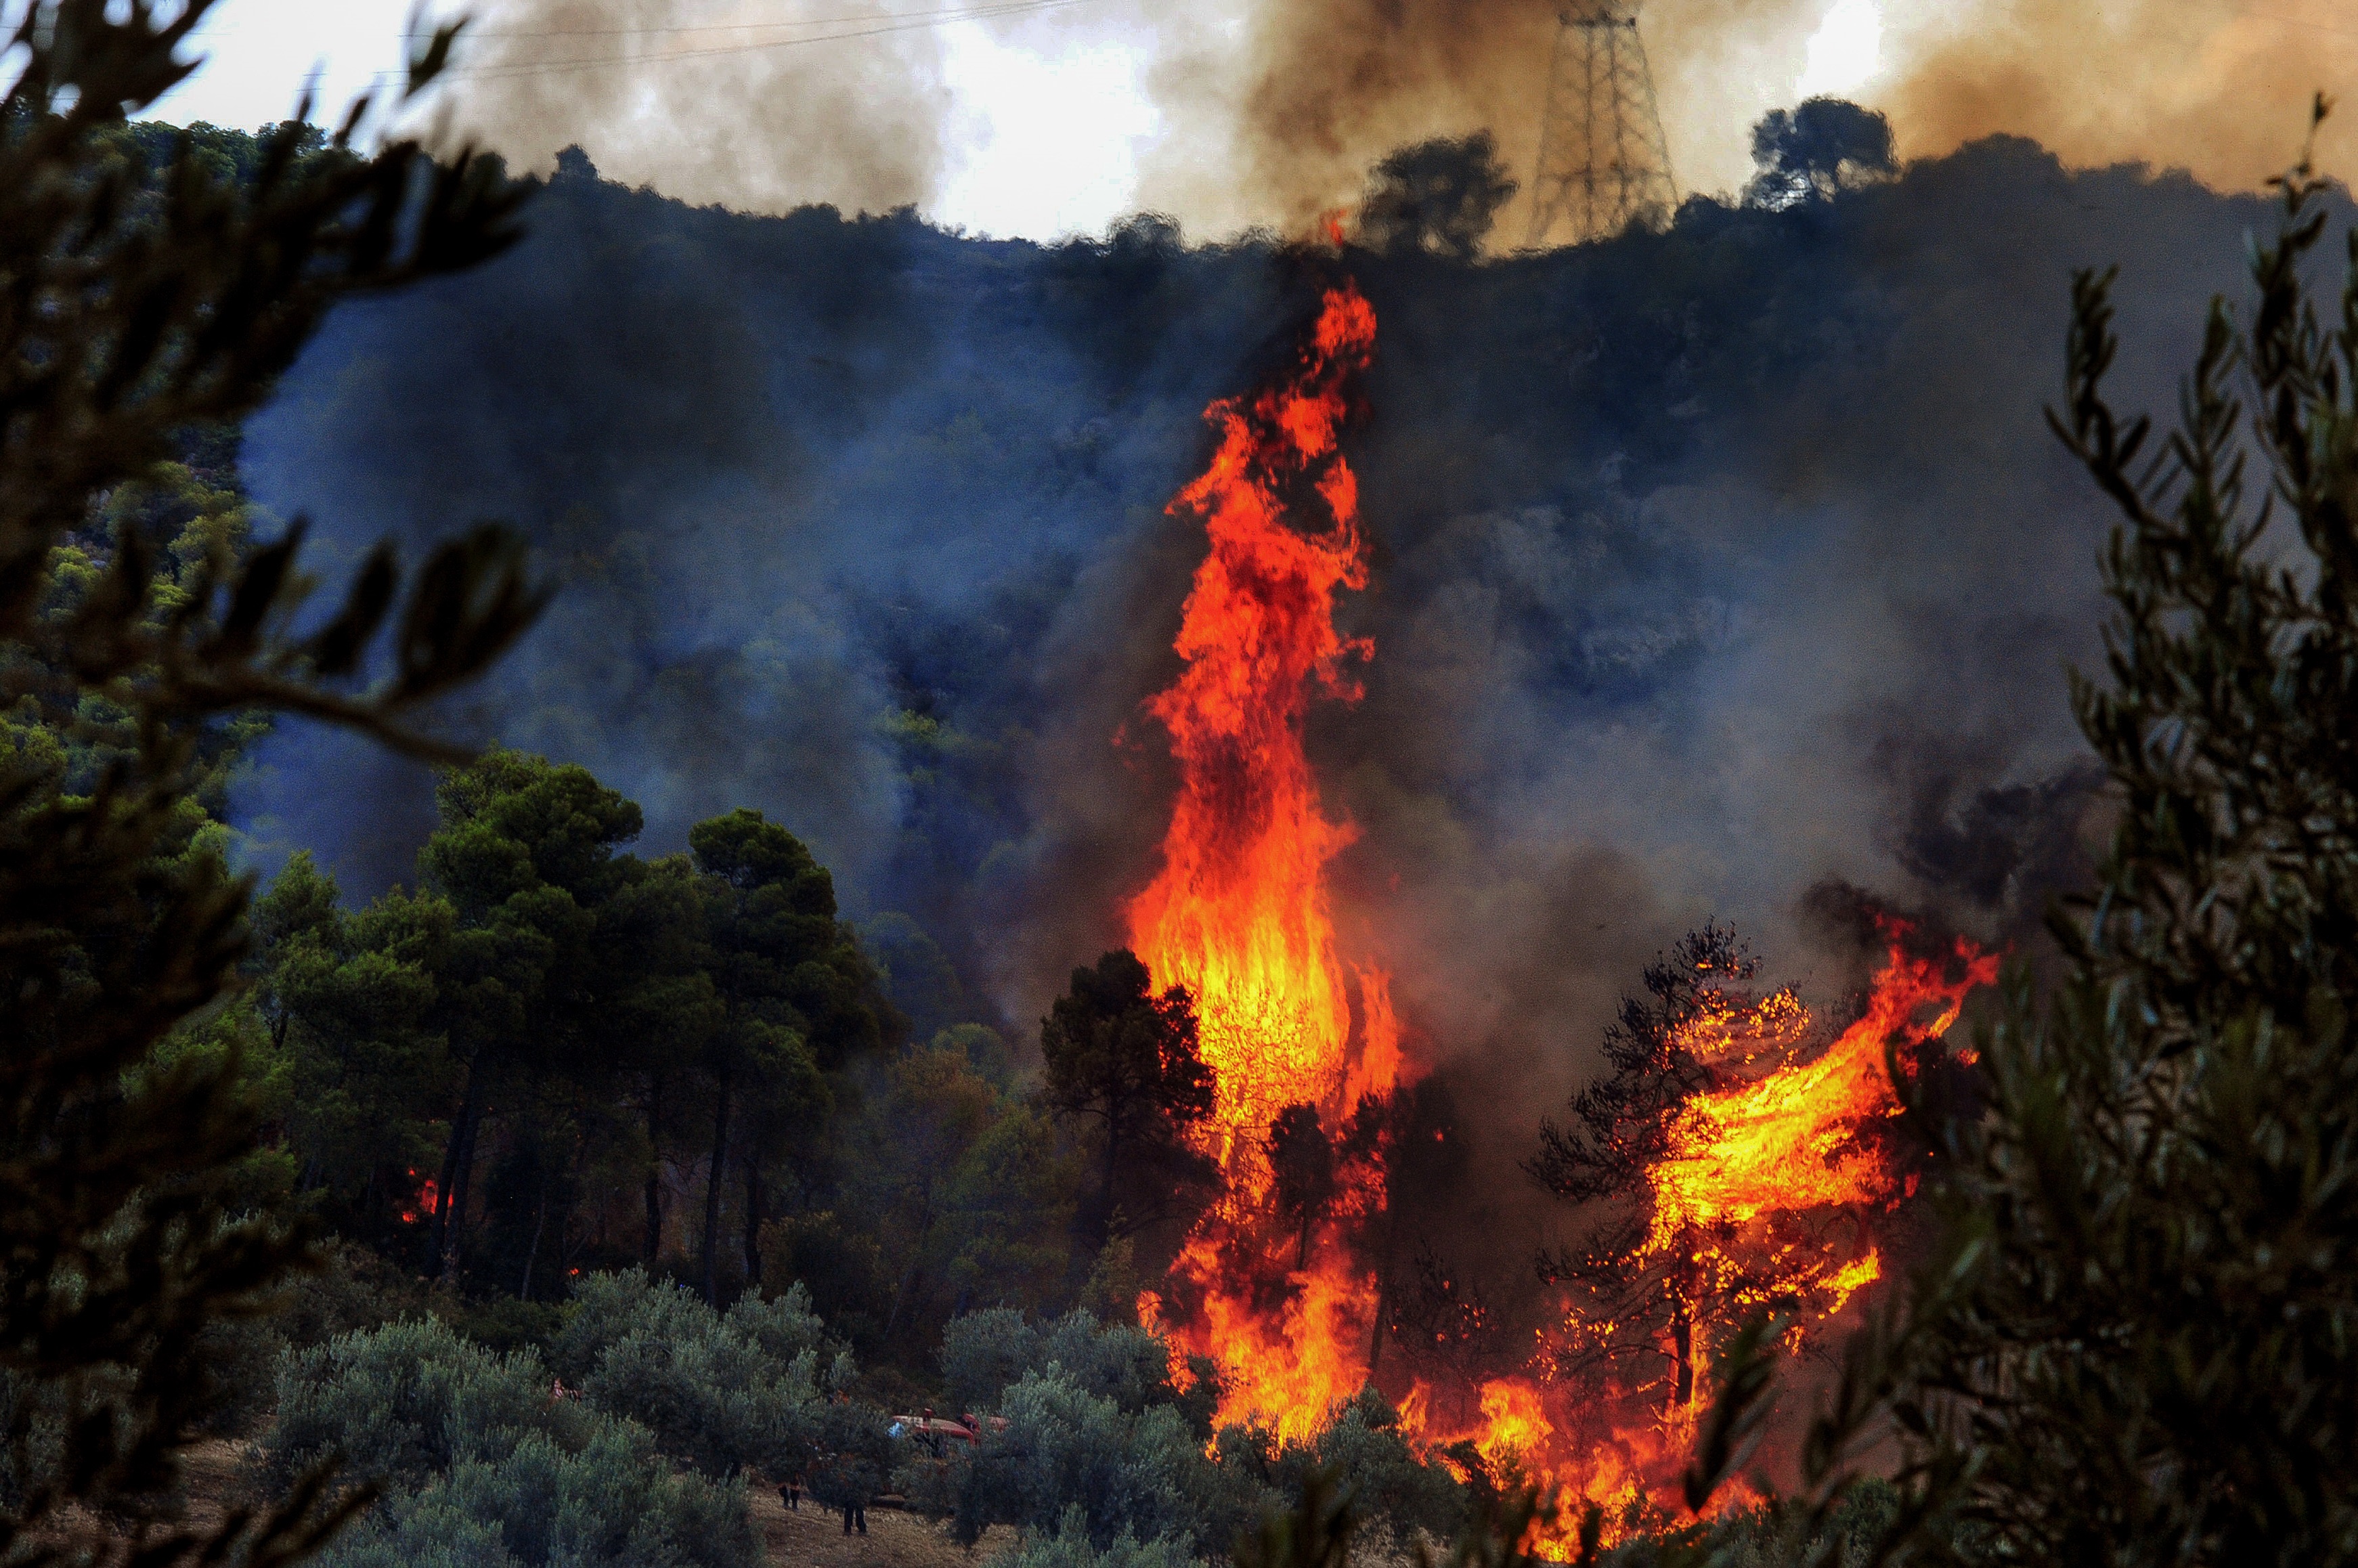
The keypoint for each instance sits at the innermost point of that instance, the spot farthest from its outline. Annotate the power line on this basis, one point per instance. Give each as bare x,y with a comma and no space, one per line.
901,22
951,12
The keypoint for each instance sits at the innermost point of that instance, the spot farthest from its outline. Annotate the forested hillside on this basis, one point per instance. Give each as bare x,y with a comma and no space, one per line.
858,527
1708,563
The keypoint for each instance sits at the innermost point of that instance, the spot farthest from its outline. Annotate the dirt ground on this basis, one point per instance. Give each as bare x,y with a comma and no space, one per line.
812,1537
212,1469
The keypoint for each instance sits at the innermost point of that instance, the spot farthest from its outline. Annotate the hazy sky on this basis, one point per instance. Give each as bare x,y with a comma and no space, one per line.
1041,117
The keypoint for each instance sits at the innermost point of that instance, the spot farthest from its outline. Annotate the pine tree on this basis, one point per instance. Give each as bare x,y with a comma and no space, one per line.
1643,1300
1115,1052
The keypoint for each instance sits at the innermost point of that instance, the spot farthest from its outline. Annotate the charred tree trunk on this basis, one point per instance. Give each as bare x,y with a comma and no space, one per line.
752,1219
532,1253
712,1183
458,1160
1105,1197
653,1247
1682,1353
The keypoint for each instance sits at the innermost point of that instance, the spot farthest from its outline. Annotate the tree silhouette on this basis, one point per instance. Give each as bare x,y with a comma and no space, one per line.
1301,1160
1440,197
1117,1054
1808,154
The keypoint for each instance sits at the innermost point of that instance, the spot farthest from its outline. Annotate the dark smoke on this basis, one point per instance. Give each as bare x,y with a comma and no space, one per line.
1710,566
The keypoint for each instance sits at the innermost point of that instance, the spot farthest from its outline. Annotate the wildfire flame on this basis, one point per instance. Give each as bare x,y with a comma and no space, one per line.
1239,914
428,1199
1782,1145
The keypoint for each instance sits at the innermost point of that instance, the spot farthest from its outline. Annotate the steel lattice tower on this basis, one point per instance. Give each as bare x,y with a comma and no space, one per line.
1603,162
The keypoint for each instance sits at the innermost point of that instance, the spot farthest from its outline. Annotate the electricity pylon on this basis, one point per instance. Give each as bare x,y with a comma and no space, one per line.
1603,162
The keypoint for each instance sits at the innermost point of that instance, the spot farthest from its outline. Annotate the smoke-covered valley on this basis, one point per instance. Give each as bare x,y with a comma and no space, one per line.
1711,567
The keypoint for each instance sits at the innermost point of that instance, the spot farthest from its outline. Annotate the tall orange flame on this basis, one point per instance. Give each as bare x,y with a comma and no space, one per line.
1239,912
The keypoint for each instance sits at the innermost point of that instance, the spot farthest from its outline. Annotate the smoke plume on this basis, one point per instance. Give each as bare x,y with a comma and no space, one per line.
1279,130
711,101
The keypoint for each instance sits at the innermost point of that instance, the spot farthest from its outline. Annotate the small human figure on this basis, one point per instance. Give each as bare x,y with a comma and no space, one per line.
791,1494
855,1513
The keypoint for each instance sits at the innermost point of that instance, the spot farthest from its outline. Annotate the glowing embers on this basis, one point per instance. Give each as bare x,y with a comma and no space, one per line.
1239,912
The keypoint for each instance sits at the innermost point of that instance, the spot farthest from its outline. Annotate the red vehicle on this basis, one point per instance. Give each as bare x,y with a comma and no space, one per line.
938,1433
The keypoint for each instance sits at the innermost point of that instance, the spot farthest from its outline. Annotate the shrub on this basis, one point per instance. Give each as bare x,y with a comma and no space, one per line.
1067,1452
615,1502
719,1391
1069,1546
483,1467
984,1353
1384,1480
403,1403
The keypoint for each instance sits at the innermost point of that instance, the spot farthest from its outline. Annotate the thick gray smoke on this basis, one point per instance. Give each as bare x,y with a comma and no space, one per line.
1712,567
703,103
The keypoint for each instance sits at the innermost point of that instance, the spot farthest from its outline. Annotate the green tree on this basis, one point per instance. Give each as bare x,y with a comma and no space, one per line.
144,302
527,859
968,1188
797,998
1115,1052
659,1010
350,1002
2137,1339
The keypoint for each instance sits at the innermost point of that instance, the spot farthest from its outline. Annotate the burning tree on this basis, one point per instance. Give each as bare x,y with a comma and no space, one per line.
1239,912
1646,1270
1728,1174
